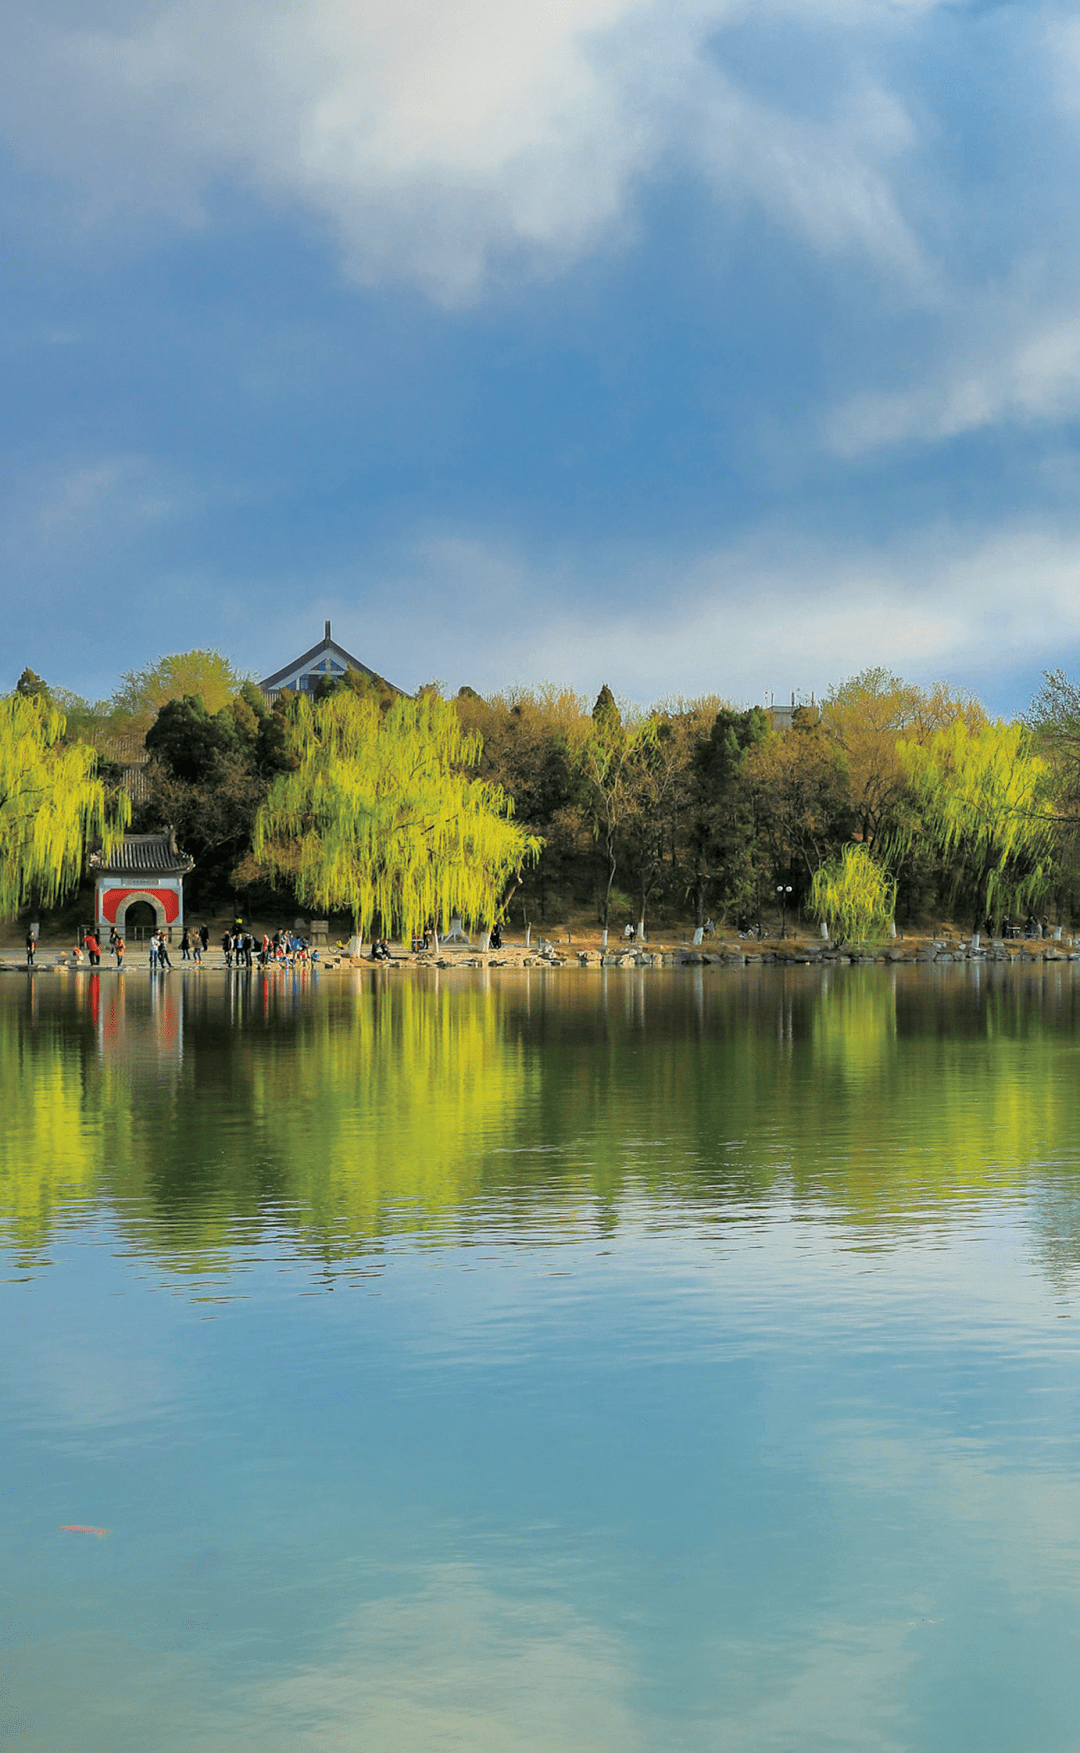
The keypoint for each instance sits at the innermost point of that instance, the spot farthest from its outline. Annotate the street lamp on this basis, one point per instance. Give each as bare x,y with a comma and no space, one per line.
783,890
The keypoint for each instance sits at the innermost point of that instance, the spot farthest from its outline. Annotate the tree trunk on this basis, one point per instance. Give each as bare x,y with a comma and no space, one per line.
612,866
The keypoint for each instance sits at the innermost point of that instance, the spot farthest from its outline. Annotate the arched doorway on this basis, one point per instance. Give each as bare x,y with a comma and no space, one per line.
139,916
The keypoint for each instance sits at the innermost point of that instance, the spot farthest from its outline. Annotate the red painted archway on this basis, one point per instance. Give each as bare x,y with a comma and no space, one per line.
114,900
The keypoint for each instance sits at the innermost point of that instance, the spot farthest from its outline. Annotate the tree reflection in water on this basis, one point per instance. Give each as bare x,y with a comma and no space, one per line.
199,1116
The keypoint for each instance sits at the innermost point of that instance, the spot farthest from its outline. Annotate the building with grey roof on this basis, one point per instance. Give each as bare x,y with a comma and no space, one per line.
327,661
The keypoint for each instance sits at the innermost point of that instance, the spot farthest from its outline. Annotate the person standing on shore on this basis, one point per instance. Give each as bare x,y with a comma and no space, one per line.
204,937
185,946
93,949
227,948
153,951
119,946
31,949
163,952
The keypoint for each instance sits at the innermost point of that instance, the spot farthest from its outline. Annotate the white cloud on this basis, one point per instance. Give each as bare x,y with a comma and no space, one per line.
1029,380
459,1667
87,510
739,621
445,140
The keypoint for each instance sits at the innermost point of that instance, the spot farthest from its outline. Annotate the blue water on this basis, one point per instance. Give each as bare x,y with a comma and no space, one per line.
556,1430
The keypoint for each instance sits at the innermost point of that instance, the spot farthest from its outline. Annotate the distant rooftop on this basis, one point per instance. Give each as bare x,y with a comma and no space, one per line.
326,661
783,717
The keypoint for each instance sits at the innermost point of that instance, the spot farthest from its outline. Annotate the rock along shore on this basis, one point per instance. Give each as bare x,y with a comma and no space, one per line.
941,951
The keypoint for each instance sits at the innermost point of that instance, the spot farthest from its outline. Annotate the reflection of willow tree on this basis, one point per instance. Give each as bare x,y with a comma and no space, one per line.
536,1105
55,1134
870,1096
332,1125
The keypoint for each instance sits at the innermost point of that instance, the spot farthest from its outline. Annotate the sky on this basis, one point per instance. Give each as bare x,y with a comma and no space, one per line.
709,346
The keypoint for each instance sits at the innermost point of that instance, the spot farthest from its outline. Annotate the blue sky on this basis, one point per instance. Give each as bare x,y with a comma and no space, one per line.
698,346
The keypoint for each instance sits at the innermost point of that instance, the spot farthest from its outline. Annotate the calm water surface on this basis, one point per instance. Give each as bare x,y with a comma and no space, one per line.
652,1362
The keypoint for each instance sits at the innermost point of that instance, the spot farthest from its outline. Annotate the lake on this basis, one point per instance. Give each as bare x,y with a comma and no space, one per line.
641,1361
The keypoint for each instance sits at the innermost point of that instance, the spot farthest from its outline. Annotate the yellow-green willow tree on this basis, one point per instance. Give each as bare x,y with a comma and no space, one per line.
52,803
381,816
855,894
981,797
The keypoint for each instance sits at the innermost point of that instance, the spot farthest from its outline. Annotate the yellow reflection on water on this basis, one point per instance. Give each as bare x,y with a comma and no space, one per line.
200,1113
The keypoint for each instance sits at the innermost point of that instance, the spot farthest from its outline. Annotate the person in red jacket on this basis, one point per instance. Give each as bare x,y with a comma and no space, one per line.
93,949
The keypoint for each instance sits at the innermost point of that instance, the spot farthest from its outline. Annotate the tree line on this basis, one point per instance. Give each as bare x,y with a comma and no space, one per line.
885,800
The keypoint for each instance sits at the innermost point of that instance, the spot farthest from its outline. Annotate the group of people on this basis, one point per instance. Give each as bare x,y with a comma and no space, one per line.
239,947
242,950
159,951
194,944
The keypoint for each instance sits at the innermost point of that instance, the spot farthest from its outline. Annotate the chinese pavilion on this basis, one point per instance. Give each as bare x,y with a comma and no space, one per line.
144,870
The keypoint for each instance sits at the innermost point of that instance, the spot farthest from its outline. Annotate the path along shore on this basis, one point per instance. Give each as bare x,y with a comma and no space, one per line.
57,957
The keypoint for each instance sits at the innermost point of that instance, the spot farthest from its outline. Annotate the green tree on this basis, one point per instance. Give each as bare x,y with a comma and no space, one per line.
53,803
604,763
982,798
855,895
661,799
31,686
203,674
206,779
529,737
1053,720
795,792
721,834
381,816
866,716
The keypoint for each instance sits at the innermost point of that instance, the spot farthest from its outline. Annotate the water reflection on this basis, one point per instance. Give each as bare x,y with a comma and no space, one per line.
743,1414
198,1112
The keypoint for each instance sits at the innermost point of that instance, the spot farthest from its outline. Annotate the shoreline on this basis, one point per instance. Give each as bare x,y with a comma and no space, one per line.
1025,953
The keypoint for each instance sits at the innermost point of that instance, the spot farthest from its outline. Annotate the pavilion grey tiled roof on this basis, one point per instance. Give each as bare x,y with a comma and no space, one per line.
143,855
327,648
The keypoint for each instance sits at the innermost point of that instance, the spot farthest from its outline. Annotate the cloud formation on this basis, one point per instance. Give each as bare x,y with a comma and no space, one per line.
740,621
447,143
1030,379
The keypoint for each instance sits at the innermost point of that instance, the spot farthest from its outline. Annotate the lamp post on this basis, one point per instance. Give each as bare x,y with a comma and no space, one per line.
783,890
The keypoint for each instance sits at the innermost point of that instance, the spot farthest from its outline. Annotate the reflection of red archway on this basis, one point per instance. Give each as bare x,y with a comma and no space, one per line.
165,902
